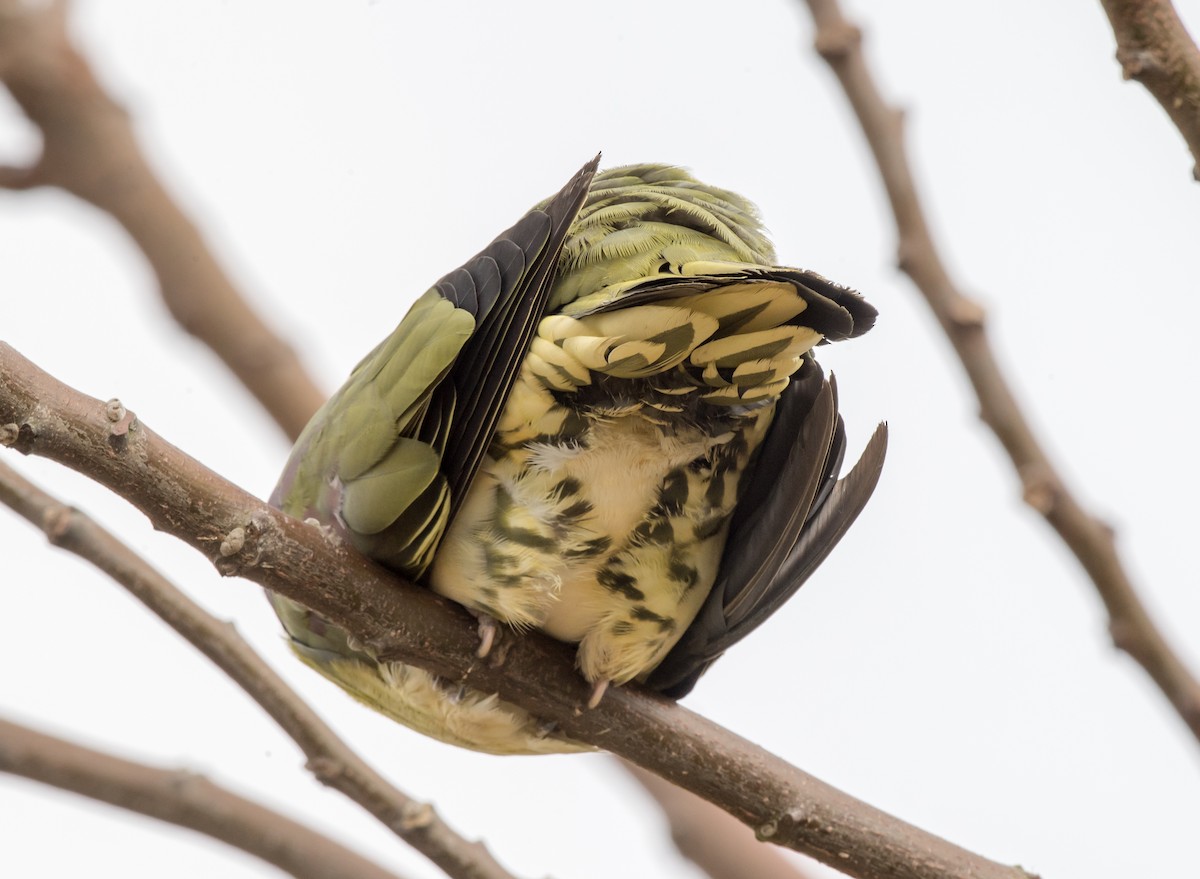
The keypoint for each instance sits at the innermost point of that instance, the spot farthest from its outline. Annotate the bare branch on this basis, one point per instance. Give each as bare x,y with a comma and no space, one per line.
329,758
182,798
963,320
1155,48
89,148
396,620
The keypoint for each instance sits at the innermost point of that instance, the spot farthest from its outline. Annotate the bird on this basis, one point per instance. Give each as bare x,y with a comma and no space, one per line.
609,426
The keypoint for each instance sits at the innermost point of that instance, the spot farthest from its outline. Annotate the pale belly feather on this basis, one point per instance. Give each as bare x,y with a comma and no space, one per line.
544,539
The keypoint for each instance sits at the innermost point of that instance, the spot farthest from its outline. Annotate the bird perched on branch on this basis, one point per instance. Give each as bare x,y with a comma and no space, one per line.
609,426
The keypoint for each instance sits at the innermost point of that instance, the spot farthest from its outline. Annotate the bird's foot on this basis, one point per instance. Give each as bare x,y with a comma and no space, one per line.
598,690
329,532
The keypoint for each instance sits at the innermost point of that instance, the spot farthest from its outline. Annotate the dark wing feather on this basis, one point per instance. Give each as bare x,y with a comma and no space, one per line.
391,454
827,525
760,543
792,513
836,312
507,286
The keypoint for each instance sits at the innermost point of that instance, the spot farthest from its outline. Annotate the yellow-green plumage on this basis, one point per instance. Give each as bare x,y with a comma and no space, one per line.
574,432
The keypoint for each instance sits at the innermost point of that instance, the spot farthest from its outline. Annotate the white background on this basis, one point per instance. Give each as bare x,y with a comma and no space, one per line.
949,663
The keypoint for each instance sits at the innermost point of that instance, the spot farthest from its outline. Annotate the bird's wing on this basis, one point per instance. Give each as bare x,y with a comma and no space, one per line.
836,312
381,462
792,512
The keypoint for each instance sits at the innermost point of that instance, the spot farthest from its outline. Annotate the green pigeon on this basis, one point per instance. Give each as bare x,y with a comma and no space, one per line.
608,425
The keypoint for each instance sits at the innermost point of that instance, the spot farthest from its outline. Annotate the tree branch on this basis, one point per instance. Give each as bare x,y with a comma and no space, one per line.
396,620
182,798
89,149
1155,48
329,758
963,320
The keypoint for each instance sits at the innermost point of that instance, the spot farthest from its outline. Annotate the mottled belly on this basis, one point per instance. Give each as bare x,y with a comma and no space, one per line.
611,540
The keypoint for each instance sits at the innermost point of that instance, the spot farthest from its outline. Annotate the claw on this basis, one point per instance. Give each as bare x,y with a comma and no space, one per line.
598,690
487,635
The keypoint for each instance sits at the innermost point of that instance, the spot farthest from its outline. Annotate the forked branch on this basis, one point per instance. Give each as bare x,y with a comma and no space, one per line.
329,758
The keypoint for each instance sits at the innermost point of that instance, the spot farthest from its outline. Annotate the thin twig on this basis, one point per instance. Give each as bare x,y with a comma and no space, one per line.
395,620
329,758
89,148
181,798
1155,48
1090,539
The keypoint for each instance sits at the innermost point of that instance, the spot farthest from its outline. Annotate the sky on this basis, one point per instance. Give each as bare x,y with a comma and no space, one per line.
949,663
